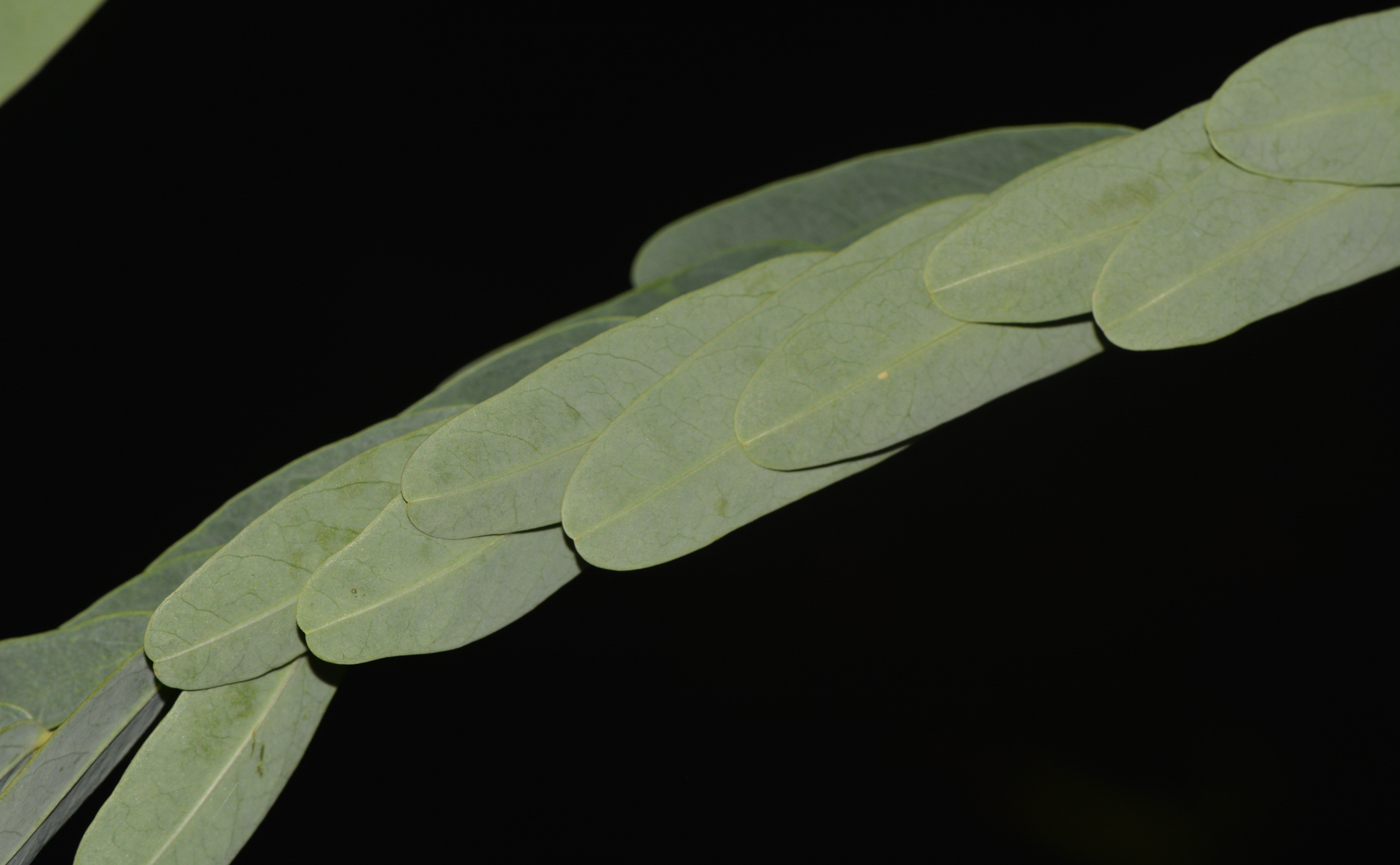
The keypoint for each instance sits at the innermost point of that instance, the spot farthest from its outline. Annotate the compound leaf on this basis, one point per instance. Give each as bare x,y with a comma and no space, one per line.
833,206
50,673
502,466
880,363
397,591
1034,249
1321,105
235,617
1233,247
75,760
210,770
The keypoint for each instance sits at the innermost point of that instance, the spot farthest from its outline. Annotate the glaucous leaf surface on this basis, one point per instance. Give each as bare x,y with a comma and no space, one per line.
1233,247
397,591
210,770
236,513
32,31
502,466
1321,105
50,673
1033,251
76,759
146,590
668,476
833,206
880,363
235,617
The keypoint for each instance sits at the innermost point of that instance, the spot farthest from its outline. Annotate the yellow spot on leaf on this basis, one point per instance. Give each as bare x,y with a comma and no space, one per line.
884,375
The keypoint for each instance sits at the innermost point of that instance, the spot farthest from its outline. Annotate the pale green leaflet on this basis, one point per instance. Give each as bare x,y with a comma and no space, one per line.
1322,105
1034,249
397,591
503,465
774,343
31,31
880,363
835,205
1233,247
668,475
235,617
234,515
210,770
49,674
73,761
20,734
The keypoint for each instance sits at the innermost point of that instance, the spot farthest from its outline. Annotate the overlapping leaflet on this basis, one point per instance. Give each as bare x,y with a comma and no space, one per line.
210,770
668,476
234,515
235,617
76,758
50,673
833,206
502,466
1323,105
20,734
880,363
1033,251
397,591
1233,247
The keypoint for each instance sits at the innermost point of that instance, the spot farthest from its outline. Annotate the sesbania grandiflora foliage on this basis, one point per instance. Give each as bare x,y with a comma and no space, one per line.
772,345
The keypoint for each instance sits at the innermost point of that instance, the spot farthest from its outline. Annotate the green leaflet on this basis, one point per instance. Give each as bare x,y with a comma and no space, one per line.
1233,247
397,591
235,514
20,734
1321,105
668,476
32,31
210,770
833,206
235,617
1034,249
147,589
880,363
75,760
502,466
50,673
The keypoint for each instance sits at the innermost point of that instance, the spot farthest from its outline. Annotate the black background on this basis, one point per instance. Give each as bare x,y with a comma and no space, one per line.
1132,613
